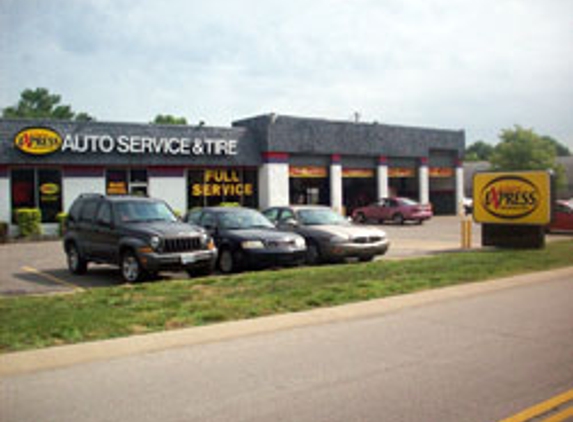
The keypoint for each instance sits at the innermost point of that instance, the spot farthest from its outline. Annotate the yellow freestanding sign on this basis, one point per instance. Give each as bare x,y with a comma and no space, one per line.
512,198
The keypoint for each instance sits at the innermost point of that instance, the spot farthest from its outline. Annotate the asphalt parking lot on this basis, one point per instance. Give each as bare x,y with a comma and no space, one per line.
40,267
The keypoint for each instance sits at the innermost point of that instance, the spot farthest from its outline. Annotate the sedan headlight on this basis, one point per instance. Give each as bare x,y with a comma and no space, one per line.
252,244
155,242
300,243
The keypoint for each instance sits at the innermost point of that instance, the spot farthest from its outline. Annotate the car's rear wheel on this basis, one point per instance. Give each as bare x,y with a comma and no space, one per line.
76,263
131,270
360,218
398,219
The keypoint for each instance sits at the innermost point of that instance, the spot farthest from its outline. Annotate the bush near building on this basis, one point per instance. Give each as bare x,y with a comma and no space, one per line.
29,221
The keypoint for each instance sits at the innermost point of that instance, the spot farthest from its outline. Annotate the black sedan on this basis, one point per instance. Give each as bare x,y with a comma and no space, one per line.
247,239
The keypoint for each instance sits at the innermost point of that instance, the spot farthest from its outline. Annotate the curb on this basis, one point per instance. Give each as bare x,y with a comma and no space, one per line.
63,356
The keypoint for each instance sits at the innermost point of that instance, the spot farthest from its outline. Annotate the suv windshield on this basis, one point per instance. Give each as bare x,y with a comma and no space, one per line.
139,211
243,219
320,217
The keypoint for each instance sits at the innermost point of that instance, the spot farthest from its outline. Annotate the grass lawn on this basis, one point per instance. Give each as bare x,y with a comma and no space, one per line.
101,313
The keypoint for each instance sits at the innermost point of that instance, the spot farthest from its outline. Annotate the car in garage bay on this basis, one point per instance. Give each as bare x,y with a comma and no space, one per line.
247,240
398,210
329,236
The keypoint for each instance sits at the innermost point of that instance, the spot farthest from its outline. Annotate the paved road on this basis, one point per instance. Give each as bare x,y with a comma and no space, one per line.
478,358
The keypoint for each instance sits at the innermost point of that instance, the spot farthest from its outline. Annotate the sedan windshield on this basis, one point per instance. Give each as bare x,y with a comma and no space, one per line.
320,217
243,219
140,211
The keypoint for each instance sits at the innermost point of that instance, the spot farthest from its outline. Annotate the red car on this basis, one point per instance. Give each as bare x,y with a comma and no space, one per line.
562,217
397,210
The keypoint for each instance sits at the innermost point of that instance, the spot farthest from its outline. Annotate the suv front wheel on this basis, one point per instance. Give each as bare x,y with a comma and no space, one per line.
76,263
131,270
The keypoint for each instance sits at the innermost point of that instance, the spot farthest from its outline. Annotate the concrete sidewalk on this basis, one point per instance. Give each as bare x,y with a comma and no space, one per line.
63,356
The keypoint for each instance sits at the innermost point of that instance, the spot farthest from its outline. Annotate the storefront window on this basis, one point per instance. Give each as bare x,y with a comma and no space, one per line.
49,194
212,187
37,188
126,182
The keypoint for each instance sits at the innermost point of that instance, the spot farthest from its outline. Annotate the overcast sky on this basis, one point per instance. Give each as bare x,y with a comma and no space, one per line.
478,65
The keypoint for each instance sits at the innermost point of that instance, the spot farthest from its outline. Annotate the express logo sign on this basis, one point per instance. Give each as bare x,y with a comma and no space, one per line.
513,198
510,197
38,141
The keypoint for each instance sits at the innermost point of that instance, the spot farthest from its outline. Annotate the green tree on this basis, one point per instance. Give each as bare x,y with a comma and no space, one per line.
560,149
167,119
523,149
479,151
40,104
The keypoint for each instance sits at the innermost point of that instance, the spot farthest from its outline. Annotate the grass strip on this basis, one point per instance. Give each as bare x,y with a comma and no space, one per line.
102,313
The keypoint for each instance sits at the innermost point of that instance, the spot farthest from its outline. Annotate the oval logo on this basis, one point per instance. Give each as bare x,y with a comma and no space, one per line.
49,189
510,197
38,141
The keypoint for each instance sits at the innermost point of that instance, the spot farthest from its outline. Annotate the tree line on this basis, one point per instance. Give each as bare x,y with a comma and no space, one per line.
39,103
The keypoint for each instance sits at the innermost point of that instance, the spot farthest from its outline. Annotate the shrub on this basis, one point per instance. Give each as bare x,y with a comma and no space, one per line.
3,231
29,221
61,218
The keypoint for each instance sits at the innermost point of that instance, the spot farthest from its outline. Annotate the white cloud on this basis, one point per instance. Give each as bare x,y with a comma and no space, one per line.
482,66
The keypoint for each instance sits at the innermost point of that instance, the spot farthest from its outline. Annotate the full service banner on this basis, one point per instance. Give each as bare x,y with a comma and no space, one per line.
44,141
512,197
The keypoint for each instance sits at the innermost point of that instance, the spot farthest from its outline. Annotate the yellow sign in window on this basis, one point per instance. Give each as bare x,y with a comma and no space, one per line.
512,197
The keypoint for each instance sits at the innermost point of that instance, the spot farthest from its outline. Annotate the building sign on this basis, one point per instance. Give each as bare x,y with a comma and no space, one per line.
38,141
308,172
42,141
357,173
223,183
401,172
512,198
441,172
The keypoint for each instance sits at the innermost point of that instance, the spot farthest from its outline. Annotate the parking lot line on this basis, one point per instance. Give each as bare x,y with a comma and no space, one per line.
544,407
52,278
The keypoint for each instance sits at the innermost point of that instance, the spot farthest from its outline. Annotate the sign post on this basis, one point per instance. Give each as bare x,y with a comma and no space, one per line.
514,207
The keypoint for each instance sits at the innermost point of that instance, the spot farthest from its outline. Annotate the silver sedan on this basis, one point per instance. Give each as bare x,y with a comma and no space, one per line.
329,236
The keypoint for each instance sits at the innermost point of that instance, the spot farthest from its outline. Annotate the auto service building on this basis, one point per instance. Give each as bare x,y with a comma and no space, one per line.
257,162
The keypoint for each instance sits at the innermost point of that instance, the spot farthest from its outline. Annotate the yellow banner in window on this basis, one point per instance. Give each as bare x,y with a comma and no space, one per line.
308,172
357,173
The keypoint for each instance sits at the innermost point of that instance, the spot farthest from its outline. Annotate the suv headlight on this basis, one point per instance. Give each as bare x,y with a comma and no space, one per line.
155,242
252,244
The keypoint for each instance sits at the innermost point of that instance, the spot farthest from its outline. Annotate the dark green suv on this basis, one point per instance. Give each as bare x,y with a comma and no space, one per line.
140,235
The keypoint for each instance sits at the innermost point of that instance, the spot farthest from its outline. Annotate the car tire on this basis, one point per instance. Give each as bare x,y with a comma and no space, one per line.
131,269
227,263
360,218
313,255
398,219
202,271
76,263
